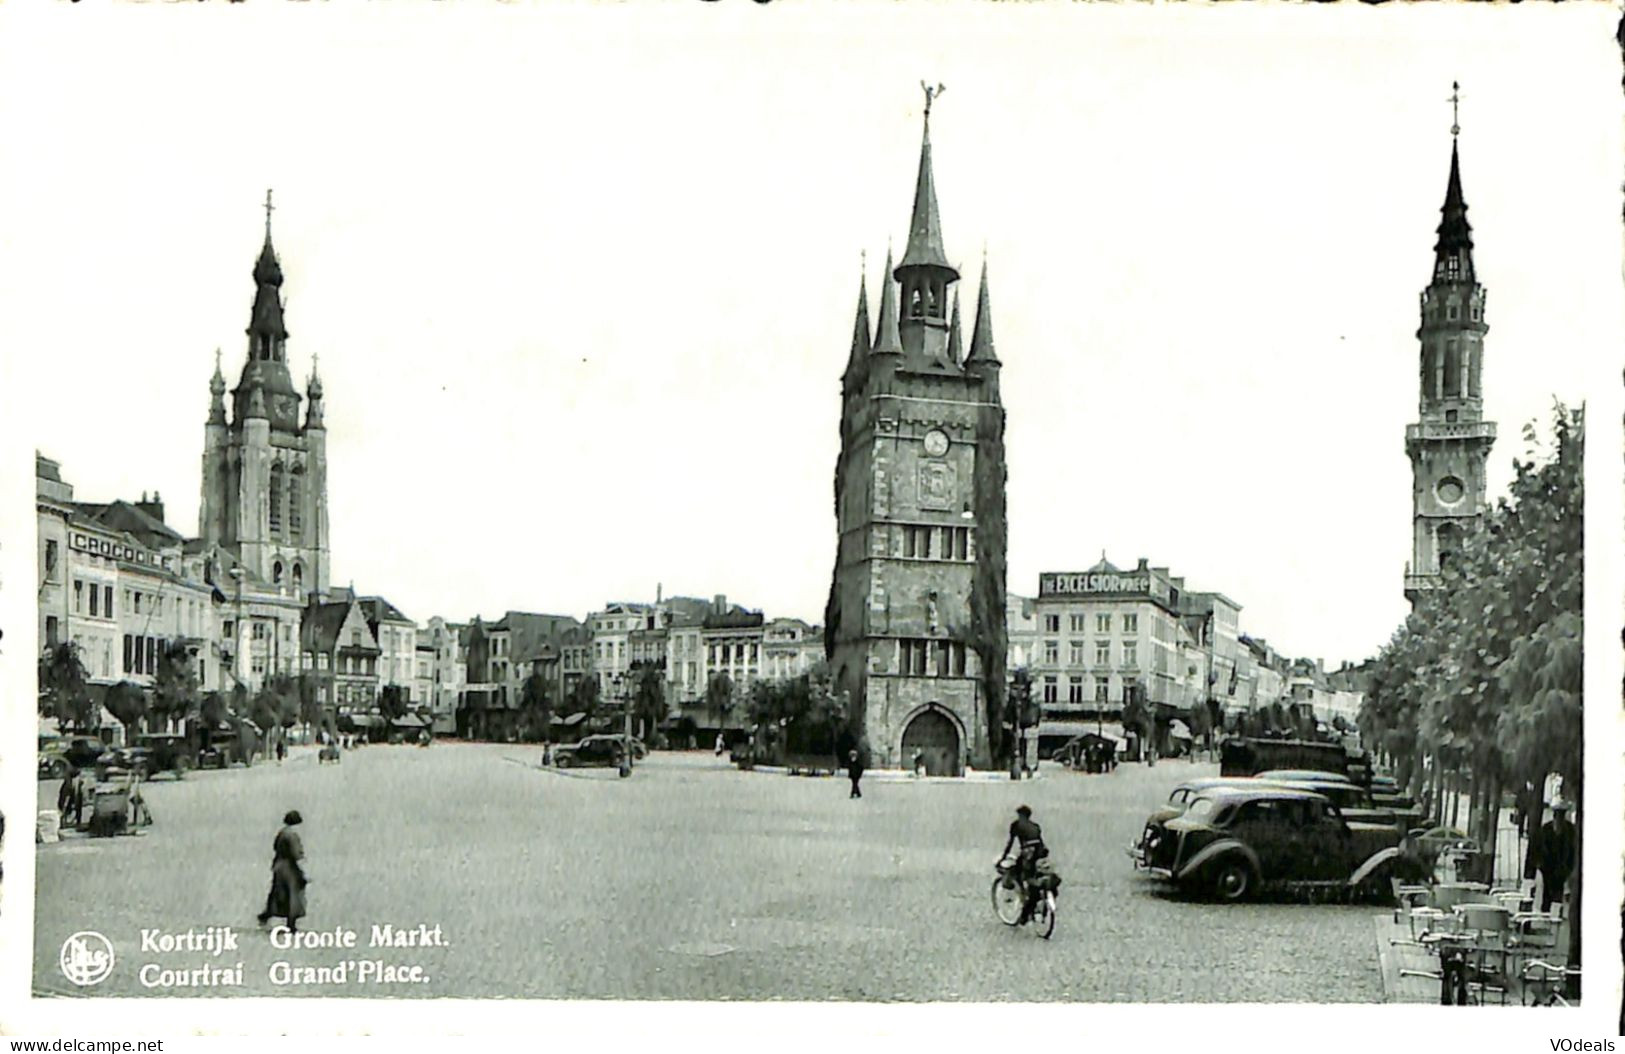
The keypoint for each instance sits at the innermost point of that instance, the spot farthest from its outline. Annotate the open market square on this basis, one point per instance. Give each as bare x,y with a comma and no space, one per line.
689,880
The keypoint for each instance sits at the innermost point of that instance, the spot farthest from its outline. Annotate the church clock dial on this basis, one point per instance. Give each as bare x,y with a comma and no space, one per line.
1450,490
936,442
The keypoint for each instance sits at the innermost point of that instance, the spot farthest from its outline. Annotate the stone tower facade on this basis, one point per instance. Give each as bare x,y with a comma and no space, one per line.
915,630
265,476
1450,444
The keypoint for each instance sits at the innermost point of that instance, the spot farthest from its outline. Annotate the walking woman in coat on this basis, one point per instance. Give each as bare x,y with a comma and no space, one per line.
287,896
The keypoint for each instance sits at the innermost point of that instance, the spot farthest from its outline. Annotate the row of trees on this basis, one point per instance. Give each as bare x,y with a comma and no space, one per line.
1478,694
176,697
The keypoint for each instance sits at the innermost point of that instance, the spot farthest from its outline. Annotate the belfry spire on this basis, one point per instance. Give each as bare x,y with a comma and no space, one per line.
858,360
981,341
887,340
925,225
955,348
925,273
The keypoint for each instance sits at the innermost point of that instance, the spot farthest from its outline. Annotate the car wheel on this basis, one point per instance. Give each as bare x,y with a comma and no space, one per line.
57,769
1233,880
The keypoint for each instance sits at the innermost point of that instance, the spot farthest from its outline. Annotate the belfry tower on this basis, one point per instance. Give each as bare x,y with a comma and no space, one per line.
264,476
914,628
1449,446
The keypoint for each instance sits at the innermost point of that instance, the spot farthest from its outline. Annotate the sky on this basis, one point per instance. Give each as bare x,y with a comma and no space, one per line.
581,279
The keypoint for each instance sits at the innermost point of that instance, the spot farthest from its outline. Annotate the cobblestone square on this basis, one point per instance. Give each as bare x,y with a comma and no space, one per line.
688,881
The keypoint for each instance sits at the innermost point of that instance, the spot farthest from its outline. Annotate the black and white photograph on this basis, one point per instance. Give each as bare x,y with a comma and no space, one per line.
867,503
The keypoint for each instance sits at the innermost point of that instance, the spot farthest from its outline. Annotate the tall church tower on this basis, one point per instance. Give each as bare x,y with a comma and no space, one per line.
1449,446
914,627
265,477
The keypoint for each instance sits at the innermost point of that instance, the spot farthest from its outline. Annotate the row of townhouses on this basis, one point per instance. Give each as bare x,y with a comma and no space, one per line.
1092,640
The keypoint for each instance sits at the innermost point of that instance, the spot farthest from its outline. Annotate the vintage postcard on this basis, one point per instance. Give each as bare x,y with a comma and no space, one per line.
940,503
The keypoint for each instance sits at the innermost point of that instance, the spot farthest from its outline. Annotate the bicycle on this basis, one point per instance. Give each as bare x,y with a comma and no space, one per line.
1010,893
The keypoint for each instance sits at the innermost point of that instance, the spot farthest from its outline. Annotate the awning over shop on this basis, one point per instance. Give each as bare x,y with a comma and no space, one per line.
359,722
410,721
1179,730
573,719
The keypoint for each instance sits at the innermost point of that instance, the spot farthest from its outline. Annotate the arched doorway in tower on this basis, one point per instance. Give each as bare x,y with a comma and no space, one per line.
936,736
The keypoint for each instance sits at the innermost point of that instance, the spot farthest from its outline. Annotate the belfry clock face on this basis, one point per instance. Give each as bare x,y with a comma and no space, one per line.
936,442
286,406
1450,490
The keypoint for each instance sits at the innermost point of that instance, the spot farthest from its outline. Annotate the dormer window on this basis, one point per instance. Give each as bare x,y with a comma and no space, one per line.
1452,312
1478,312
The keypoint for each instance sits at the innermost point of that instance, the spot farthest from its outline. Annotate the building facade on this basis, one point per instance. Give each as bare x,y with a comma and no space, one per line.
916,631
397,645
341,655
264,493
1450,443
790,648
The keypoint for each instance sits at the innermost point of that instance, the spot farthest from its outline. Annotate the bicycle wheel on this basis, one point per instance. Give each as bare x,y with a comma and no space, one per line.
1044,916
1007,900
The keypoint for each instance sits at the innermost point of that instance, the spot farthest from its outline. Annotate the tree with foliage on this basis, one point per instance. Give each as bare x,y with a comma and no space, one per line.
175,686
582,699
1481,688
719,694
536,705
63,693
649,706
127,702
392,702
310,706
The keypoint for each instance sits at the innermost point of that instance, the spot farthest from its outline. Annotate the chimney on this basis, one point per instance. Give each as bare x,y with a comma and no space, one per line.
719,604
1143,565
657,592
153,506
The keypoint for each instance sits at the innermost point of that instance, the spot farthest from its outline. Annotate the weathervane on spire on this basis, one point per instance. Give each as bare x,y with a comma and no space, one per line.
1455,109
930,95
269,208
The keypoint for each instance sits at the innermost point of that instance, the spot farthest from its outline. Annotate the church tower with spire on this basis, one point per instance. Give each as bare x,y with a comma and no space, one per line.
914,627
1450,444
265,475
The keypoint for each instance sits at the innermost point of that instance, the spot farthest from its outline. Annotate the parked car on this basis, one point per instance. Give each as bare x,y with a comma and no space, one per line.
1353,801
123,759
1178,800
165,752
211,758
63,751
591,751
53,762
1238,841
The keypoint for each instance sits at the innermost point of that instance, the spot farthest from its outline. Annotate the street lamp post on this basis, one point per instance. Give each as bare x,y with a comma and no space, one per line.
623,689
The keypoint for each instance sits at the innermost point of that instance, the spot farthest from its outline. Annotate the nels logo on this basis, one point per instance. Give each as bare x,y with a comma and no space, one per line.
87,958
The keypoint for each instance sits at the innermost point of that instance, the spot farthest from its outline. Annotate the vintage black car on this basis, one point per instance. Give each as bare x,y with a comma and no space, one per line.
1236,841
1355,802
593,750
59,754
165,752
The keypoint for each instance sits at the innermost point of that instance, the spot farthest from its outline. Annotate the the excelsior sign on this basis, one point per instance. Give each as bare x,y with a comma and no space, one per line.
1092,582
113,550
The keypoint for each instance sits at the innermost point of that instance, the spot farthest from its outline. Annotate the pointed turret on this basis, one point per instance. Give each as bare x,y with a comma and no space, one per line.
955,351
981,341
857,362
925,273
266,371
313,389
887,340
1453,252
217,393
925,226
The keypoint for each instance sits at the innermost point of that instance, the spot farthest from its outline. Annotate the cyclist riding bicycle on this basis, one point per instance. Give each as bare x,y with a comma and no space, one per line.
1030,838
